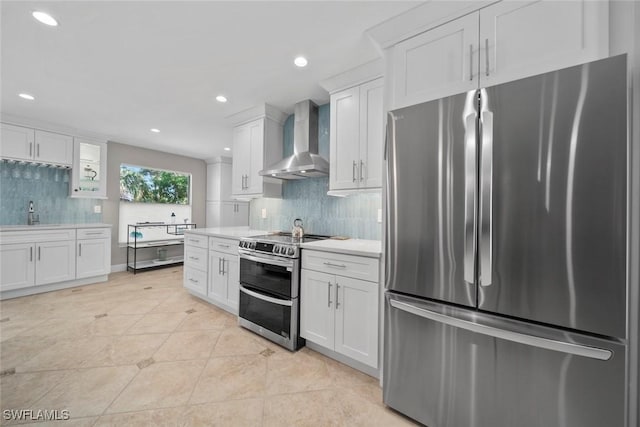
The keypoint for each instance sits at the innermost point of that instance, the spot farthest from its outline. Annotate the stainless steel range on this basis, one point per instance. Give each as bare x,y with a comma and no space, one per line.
270,285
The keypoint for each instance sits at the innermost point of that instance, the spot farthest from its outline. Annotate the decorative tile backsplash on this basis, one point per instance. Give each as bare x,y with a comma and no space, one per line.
355,216
48,187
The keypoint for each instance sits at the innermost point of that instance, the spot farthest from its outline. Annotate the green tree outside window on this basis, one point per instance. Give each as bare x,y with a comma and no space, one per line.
144,185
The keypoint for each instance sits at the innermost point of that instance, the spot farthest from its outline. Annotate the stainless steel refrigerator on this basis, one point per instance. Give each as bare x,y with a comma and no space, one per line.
506,253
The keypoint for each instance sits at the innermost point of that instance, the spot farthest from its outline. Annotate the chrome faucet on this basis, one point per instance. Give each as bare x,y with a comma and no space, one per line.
32,218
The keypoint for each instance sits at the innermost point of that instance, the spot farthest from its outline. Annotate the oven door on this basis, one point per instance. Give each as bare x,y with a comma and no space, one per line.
269,316
273,275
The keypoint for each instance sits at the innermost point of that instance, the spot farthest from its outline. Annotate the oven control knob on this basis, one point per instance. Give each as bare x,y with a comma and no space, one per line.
291,251
276,249
243,244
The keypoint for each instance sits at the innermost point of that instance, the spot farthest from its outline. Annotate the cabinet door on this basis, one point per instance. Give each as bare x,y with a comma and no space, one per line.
241,154
317,307
241,216
356,328
217,288
525,38
17,142
256,162
232,274
17,266
89,178
55,262
437,63
53,148
371,134
93,258
344,136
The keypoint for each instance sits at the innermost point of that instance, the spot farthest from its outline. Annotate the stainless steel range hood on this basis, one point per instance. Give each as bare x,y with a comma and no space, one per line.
305,161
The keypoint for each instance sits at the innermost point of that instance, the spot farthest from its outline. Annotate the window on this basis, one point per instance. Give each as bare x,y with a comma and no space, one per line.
145,185
154,196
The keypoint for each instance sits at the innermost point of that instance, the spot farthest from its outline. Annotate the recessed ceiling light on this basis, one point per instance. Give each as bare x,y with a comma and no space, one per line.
26,96
303,171
45,18
227,149
221,98
301,61
154,130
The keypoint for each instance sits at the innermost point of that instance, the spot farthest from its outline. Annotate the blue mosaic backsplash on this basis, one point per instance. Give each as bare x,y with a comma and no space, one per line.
355,216
48,187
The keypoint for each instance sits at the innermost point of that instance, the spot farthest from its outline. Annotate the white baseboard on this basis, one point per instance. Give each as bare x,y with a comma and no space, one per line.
344,359
31,290
116,268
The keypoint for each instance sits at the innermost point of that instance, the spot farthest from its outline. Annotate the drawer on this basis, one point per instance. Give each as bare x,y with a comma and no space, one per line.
363,268
195,240
195,257
37,236
94,233
228,246
195,280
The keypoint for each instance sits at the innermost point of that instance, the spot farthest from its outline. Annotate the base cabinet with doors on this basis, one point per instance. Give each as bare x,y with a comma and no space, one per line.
339,304
33,261
356,137
501,42
211,270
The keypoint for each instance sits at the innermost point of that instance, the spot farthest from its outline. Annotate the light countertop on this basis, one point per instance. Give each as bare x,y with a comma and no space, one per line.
228,232
361,247
51,226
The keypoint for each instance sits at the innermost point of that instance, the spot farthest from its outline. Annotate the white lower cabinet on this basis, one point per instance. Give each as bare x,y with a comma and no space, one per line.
212,270
224,276
55,262
17,266
337,311
93,252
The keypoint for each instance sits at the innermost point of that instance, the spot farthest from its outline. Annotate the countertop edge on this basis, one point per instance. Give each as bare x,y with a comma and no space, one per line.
343,250
9,228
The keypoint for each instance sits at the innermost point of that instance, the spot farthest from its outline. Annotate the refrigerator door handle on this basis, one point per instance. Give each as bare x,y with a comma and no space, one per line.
486,198
389,145
469,198
526,339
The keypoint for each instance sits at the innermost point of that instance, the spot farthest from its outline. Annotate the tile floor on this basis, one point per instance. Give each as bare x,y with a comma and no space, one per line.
139,350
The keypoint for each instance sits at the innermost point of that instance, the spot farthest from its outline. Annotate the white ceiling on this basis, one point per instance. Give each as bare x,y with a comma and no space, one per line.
119,68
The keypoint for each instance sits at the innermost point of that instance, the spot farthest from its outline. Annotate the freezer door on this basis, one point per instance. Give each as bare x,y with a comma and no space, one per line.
553,198
450,367
431,166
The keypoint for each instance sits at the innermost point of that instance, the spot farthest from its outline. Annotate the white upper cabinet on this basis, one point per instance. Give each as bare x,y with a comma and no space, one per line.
525,38
256,145
437,63
356,137
38,146
502,42
89,177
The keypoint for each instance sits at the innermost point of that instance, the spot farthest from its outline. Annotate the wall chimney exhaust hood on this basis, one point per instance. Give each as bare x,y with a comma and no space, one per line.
305,161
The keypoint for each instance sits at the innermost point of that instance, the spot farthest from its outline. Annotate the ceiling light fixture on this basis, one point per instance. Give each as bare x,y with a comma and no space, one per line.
301,61
227,149
45,18
221,98
154,130
26,96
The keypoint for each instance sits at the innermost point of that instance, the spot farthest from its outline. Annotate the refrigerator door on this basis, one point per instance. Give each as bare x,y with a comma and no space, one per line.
553,198
451,367
431,153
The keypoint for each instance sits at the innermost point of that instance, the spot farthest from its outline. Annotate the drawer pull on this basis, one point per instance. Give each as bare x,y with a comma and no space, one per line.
194,258
329,264
223,246
193,280
92,233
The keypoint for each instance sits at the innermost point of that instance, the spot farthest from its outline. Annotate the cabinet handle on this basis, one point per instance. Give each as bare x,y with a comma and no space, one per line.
247,182
93,233
31,254
337,295
79,249
38,253
223,270
486,48
30,149
194,240
219,266
193,280
353,170
471,62
194,258
223,246
361,170
329,295
37,150
329,264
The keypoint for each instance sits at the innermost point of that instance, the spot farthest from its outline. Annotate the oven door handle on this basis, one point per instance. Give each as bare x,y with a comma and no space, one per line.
277,301
267,260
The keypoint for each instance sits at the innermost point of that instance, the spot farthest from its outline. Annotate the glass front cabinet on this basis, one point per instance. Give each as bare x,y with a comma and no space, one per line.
89,176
